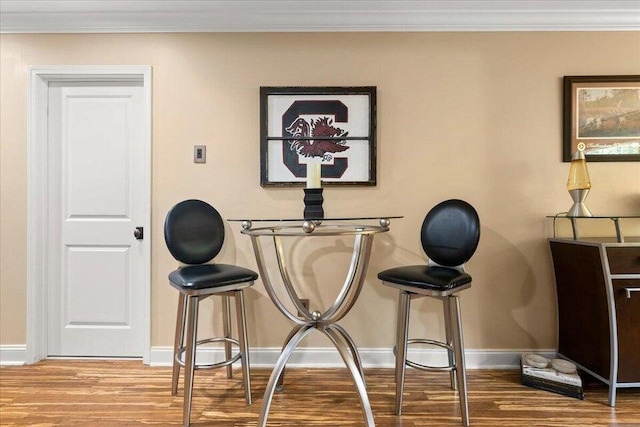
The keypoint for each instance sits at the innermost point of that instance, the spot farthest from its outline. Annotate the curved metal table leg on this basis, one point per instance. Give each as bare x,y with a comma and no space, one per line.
358,379
280,364
352,347
280,383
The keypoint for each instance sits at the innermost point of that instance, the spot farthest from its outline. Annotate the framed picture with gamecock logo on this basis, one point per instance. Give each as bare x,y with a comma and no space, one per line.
332,126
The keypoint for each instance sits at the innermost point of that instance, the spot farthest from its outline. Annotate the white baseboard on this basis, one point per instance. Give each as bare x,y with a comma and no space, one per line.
11,355
326,357
321,357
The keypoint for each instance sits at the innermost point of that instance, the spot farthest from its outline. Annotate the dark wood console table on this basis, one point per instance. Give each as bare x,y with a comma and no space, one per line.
598,289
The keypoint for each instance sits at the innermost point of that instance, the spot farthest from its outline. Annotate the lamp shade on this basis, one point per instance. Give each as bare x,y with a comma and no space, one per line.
578,183
578,173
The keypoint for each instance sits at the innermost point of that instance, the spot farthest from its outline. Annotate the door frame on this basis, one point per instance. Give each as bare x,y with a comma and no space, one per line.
38,204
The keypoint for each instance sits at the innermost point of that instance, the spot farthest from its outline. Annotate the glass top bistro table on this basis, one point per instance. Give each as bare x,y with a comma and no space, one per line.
325,322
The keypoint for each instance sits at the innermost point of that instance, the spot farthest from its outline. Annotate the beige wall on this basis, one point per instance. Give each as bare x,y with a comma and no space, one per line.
467,115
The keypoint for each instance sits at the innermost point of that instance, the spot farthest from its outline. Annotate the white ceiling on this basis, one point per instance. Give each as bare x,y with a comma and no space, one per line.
99,16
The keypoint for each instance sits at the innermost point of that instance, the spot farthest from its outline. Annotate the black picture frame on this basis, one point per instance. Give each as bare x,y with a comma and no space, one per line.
603,112
334,125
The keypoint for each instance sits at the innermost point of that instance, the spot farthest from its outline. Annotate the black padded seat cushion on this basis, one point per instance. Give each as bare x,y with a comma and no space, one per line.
206,276
426,277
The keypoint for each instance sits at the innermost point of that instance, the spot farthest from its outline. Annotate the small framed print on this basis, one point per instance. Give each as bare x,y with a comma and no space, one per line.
603,112
333,126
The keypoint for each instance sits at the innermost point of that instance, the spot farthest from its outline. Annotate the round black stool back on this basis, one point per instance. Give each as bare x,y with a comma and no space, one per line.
194,232
450,233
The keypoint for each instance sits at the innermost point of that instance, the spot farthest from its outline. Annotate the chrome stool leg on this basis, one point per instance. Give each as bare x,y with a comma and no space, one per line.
226,328
458,345
243,344
401,346
190,356
179,341
449,338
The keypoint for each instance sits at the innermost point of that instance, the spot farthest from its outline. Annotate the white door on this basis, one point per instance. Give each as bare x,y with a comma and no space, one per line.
96,201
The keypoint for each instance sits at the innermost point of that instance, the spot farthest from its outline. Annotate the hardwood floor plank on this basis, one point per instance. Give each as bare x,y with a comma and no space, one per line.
127,393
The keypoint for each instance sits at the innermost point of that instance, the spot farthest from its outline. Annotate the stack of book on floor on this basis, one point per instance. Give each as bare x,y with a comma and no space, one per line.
556,375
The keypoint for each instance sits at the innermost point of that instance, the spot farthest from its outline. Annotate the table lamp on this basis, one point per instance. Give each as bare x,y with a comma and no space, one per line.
578,183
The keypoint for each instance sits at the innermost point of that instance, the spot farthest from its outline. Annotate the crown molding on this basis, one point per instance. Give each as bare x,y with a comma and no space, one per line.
114,16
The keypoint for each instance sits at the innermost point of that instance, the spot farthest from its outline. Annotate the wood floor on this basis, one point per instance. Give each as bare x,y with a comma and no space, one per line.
127,393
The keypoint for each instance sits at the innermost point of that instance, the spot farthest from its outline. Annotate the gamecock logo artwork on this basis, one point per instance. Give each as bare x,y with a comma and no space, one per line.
311,129
319,128
332,128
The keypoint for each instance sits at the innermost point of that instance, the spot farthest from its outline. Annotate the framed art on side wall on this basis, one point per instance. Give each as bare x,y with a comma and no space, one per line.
603,112
333,126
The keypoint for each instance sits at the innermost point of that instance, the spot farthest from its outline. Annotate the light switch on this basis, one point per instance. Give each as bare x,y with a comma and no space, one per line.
199,154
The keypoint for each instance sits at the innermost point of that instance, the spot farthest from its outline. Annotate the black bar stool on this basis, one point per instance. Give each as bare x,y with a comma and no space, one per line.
450,234
194,233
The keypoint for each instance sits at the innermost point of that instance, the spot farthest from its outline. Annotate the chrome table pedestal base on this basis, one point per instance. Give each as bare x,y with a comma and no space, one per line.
308,321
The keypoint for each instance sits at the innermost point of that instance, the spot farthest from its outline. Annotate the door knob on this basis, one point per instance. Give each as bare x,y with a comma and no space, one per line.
138,233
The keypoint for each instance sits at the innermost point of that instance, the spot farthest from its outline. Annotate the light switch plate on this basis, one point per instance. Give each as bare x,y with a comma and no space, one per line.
199,154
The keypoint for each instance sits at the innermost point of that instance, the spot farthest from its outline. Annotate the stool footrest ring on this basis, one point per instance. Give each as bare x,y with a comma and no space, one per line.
222,364
449,348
